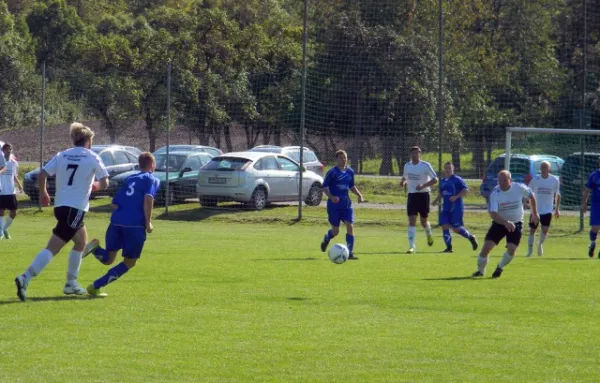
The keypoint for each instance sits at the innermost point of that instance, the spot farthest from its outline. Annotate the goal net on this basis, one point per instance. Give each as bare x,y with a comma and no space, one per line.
573,155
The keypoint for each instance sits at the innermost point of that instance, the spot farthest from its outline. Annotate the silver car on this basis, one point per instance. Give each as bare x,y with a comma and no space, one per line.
311,162
256,178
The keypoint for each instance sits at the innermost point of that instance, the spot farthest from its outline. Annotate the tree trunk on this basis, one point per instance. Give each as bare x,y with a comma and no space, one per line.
478,156
456,156
387,167
277,135
227,134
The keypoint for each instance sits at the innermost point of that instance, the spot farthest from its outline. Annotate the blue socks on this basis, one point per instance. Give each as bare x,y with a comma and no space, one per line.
101,254
350,242
328,236
593,237
112,275
448,239
465,233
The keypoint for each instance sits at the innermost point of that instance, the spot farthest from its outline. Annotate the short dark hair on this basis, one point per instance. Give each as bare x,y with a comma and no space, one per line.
6,145
340,152
415,148
145,160
448,163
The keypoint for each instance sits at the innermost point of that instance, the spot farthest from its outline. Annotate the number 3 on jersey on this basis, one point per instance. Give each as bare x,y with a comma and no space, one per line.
130,189
74,168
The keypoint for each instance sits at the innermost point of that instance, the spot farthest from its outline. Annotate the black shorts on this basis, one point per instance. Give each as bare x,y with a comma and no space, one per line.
545,220
418,203
68,221
497,232
8,202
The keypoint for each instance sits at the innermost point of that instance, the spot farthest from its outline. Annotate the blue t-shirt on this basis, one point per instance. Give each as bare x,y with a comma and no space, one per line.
450,187
593,183
130,199
339,183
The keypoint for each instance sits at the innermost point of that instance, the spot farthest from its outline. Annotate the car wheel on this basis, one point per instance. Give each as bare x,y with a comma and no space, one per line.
208,202
315,195
258,201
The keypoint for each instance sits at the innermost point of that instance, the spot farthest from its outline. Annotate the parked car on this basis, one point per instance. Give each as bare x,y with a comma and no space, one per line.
522,167
574,175
311,162
194,148
117,159
256,178
183,173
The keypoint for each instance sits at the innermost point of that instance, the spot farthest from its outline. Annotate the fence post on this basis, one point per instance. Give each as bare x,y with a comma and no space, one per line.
440,90
42,123
167,186
302,109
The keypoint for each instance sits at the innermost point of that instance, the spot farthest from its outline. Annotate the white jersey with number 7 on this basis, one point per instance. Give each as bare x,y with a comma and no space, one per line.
75,170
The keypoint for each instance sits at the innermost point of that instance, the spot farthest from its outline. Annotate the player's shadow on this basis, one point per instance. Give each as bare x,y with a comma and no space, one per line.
46,299
463,278
405,253
202,213
309,259
562,259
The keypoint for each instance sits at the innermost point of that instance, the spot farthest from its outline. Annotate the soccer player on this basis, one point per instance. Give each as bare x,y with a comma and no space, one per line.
8,198
75,169
546,188
338,181
506,210
420,176
593,185
130,221
452,191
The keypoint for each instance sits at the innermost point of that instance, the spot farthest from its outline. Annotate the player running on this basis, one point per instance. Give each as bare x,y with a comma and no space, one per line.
452,191
546,188
593,185
338,181
130,221
8,192
506,210
420,176
75,170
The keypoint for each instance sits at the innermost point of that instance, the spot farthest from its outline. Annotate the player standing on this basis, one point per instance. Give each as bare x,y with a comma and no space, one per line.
452,191
338,181
8,197
506,210
546,188
130,221
75,169
593,185
420,176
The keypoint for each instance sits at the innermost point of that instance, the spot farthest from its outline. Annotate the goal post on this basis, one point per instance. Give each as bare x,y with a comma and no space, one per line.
577,150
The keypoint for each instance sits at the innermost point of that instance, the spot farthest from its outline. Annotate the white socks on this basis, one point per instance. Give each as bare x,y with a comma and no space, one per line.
531,240
74,265
428,230
543,237
481,263
39,263
506,259
412,233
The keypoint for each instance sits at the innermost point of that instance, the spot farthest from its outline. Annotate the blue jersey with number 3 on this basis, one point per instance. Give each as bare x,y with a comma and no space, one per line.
130,199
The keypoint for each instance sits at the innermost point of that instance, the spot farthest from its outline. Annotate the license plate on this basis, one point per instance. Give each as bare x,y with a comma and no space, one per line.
217,180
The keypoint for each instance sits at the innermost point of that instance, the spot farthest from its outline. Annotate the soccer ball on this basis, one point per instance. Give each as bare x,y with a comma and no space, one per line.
338,253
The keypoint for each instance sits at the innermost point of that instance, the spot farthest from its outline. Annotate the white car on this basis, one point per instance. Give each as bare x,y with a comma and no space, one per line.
256,178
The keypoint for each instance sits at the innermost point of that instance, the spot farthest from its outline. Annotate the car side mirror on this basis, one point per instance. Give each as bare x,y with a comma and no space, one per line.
184,170
304,169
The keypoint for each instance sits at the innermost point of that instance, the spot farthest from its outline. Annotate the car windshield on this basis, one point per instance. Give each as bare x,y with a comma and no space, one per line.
572,167
226,163
518,166
175,162
265,150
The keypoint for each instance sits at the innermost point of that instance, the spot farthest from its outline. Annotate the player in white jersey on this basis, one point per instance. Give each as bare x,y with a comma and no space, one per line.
546,188
75,170
419,176
8,192
506,210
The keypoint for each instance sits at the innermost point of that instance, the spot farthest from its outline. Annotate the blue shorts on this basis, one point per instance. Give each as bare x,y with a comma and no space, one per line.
452,218
129,239
336,214
594,218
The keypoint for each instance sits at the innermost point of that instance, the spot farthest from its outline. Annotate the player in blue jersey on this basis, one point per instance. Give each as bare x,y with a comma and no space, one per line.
130,221
338,181
593,185
452,190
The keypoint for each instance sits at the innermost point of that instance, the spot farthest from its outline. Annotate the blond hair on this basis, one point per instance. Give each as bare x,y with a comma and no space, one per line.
80,133
545,163
340,152
506,172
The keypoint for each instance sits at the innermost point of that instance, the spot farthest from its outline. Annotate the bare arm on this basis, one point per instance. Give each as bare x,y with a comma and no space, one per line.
42,181
498,219
402,182
357,193
557,204
533,204
431,182
437,199
102,184
148,205
18,183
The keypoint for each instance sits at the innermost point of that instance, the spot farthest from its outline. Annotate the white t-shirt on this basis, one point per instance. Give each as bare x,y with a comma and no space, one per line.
509,203
544,190
2,164
7,179
75,170
418,174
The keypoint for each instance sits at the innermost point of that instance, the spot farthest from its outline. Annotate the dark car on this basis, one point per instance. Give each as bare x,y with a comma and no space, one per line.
183,173
574,175
117,159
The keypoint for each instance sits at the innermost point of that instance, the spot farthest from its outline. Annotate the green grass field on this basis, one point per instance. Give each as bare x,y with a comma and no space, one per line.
249,297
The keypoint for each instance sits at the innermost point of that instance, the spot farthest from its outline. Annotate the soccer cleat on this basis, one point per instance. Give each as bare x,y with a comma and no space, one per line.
477,274
474,243
497,272
410,251
73,289
540,250
529,251
21,284
430,240
96,292
353,257
591,251
90,247
448,250
6,235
